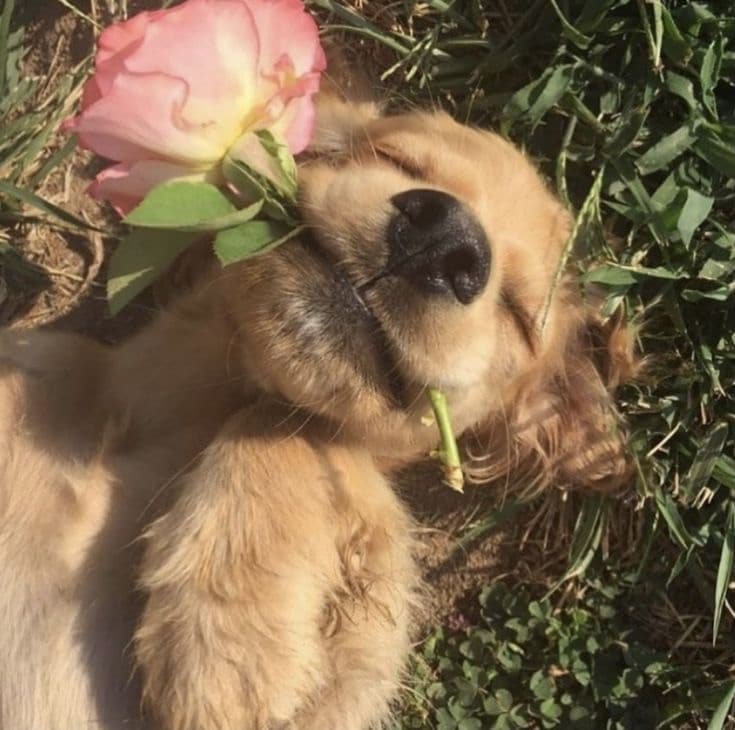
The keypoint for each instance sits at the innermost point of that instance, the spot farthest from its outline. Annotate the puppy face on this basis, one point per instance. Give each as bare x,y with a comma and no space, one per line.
432,261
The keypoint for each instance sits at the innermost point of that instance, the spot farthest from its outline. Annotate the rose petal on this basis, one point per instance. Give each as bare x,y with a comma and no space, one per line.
126,184
285,28
183,83
212,44
140,117
120,36
293,113
115,44
91,92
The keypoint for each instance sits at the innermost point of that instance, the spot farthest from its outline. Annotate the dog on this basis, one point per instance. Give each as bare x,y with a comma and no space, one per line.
197,527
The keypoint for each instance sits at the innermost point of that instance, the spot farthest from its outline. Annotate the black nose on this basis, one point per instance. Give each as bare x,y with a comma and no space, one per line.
438,245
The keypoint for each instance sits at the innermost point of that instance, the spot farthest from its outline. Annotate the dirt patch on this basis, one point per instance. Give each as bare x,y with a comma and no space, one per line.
467,541
55,274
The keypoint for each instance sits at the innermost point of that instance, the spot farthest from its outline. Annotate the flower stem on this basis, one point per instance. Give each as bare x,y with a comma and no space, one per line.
448,453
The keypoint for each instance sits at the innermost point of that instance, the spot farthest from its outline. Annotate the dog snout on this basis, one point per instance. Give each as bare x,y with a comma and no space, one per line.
438,244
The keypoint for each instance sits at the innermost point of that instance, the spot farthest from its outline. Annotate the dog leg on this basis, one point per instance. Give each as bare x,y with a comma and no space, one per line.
237,575
367,638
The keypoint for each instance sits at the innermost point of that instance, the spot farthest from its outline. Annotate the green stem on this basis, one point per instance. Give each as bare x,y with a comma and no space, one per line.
448,453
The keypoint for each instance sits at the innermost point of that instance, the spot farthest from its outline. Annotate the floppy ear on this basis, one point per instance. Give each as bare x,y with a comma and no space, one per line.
564,429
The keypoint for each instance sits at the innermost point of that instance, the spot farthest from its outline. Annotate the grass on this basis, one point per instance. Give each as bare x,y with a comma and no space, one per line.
530,664
31,110
34,160
629,107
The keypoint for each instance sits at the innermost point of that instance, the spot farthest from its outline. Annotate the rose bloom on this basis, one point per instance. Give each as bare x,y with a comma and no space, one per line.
173,90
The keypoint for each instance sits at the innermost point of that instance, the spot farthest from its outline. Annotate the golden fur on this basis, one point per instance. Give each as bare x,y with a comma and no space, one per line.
229,461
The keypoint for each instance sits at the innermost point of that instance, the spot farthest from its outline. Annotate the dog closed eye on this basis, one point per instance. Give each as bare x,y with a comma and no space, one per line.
400,161
521,318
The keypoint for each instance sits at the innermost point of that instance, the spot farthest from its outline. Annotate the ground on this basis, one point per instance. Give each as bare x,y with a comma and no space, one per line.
630,90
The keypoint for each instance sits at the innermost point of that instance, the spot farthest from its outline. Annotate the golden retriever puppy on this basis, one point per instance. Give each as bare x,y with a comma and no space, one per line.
196,527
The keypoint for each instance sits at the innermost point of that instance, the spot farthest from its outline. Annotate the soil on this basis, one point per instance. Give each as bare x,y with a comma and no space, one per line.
65,289
61,277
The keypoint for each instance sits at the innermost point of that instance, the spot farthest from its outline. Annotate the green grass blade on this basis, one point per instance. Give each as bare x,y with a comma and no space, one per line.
724,571
80,13
666,150
723,710
52,162
4,35
488,523
587,535
717,152
669,511
35,201
724,472
354,20
574,35
590,208
705,460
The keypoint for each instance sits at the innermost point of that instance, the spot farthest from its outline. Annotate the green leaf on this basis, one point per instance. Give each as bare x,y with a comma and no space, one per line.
550,709
674,44
695,211
610,275
719,718
637,189
139,259
682,87
709,74
532,102
182,205
627,132
578,713
666,150
543,687
724,571
491,706
509,658
618,275
469,723
717,152
254,186
251,239
716,270
285,182
504,699
718,294
268,161
445,720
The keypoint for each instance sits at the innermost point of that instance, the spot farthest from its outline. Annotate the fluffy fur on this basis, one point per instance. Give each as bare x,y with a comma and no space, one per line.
196,530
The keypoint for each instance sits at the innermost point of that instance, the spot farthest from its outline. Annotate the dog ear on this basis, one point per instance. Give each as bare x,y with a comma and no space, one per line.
345,104
564,430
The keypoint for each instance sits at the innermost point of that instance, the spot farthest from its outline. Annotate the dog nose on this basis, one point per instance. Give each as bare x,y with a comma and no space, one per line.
438,245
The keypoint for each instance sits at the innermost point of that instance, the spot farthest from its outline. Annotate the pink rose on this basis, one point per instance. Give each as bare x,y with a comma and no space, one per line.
174,90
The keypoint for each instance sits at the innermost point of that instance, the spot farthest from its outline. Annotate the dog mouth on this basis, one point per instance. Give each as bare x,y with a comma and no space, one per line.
392,382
